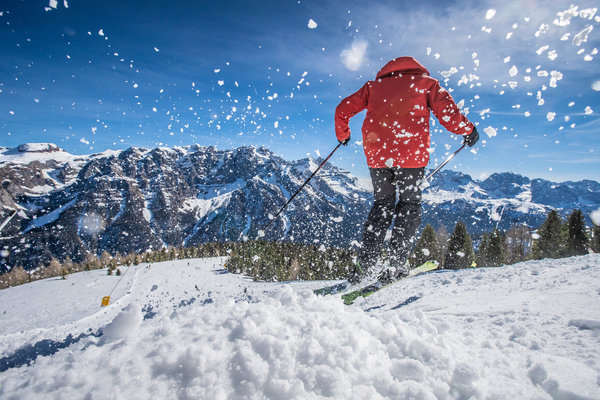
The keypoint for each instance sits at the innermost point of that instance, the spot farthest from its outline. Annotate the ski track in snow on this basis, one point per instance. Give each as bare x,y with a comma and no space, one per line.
189,329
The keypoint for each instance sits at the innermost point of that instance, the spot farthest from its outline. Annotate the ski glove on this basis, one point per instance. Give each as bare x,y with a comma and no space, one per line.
472,138
345,141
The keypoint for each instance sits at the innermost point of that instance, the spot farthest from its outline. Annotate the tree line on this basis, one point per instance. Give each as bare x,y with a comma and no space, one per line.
55,268
555,238
287,261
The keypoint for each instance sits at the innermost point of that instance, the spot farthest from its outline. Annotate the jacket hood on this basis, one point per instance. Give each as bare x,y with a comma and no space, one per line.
402,65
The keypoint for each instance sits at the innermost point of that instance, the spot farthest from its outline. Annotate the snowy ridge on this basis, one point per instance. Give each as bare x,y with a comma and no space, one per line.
193,330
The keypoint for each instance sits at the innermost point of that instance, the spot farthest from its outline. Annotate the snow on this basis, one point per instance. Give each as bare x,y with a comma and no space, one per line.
595,216
188,329
582,36
354,57
50,217
490,131
312,24
490,13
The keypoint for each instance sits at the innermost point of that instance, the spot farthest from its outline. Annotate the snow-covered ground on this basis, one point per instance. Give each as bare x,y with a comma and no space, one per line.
189,330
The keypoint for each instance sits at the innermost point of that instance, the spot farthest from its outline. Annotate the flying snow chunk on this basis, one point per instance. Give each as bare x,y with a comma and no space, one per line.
596,86
124,325
101,32
312,24
550,116
595,216
156,49
91,224
582,36
490,13
588,110
354,57
543,29
424,184
555,76
513,71
491,132
564,17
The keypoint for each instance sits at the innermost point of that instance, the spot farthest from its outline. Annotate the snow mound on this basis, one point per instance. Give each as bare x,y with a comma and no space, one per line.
124,325
524,331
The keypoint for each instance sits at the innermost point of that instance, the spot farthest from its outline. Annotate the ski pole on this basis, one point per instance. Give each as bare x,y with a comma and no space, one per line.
445,162
262,232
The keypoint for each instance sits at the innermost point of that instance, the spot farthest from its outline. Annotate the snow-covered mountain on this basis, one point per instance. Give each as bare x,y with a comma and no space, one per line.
504,199
188,329
138,199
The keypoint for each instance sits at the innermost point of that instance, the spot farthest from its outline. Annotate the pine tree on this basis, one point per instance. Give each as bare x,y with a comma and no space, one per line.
551,242
482,251
426,249
460,249
595,245
495,250
578,242
105,258
53,269
517,244
442,238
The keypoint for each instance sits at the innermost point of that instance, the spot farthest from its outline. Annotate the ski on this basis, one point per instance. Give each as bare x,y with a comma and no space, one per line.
368,290
333,289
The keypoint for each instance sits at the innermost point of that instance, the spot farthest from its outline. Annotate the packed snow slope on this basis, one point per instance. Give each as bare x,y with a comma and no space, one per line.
188,329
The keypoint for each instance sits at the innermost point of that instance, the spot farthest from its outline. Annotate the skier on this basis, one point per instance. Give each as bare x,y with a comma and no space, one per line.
396,144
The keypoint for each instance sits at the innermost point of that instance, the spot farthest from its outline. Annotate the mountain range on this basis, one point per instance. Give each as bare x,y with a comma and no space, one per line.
55,204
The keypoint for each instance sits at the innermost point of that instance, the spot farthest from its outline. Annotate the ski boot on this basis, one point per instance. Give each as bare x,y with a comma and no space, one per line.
391,274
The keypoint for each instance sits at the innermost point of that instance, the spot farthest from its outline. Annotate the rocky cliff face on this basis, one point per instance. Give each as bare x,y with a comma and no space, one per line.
138,199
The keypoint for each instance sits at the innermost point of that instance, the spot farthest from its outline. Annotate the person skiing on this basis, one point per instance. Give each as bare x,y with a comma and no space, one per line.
396,141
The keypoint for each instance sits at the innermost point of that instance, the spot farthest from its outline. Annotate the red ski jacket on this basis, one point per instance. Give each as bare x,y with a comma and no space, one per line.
396,128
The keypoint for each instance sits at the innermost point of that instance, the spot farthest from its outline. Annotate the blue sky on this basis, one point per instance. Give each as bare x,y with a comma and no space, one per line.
96,75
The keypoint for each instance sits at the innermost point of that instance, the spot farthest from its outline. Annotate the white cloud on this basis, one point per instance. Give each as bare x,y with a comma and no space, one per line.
354,57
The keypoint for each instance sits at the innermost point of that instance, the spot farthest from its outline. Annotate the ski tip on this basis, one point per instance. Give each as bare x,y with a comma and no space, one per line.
349,298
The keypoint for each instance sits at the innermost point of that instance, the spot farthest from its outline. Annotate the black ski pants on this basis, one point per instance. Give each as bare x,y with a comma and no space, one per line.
398,200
